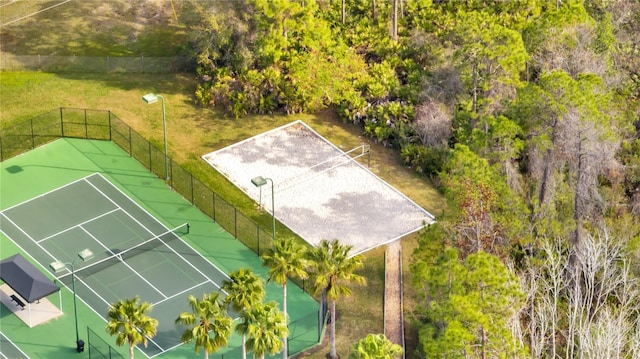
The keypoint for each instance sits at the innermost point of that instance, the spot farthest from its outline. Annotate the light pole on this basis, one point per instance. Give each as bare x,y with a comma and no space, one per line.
58,267
153,98
259,182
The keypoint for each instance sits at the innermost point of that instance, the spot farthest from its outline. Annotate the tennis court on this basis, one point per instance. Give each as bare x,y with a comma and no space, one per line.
133,252
61,190
9,349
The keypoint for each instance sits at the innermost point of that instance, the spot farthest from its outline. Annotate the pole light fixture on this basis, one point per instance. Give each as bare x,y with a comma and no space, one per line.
151,98
58,267
259,182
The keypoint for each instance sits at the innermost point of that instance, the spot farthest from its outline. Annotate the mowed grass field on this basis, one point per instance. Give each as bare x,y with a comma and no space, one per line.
91,28
191,130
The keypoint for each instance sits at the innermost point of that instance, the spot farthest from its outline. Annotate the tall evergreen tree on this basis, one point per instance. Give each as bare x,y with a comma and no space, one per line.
468,305
490,58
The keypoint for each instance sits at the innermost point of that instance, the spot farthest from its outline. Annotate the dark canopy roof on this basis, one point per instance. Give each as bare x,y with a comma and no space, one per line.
26,279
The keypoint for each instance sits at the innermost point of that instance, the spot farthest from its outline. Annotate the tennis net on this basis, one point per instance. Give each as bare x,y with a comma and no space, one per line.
324,166
117,256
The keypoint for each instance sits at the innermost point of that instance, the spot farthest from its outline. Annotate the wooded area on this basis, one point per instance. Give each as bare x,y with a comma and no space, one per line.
524,113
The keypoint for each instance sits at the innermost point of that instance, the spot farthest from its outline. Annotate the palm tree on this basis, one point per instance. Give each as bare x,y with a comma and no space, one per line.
375,346
265,326
244,290
128,320
285,259
210,324
333,268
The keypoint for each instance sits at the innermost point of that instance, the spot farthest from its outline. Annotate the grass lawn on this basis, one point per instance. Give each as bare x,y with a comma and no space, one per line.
91,28
193,131
148,27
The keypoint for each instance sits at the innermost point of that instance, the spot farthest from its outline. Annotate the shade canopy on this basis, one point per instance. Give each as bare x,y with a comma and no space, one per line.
26,279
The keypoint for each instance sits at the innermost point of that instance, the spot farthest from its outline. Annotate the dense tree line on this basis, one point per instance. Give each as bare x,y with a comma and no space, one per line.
524,113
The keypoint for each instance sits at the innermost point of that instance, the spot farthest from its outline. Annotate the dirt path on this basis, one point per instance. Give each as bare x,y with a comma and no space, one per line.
393,293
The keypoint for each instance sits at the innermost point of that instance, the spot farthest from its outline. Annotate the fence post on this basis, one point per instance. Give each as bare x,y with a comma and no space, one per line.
214,206
110,129
86,126
89,341
33,141
192,199
103,350
130,143
61,122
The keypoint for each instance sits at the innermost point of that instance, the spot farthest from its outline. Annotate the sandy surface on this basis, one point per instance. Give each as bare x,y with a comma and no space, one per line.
319,191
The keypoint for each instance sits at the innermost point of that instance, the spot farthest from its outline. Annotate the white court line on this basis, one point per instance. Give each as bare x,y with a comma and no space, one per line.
188,289
49,192
140,276
162,349
189,263
123,262
157,237
123,210
79,225
27,235
160,223
35,13
14,345
85,179
100,315
102,260
54,258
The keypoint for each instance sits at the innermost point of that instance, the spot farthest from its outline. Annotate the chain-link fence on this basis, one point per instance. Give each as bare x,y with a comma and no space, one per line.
100,349
299,340
93,64
104,125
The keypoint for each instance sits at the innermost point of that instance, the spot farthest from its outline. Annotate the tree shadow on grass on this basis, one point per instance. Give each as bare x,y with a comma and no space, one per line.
91,28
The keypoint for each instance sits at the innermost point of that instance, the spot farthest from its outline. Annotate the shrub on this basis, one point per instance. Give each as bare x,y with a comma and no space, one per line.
425,160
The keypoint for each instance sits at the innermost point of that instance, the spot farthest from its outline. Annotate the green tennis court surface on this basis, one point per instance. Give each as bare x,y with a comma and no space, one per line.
133,252
8,350
146,240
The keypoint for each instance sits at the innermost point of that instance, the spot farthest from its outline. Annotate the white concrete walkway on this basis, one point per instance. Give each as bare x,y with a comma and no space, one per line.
32,314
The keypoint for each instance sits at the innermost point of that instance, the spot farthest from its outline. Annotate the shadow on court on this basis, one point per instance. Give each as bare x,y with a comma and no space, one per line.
63,200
